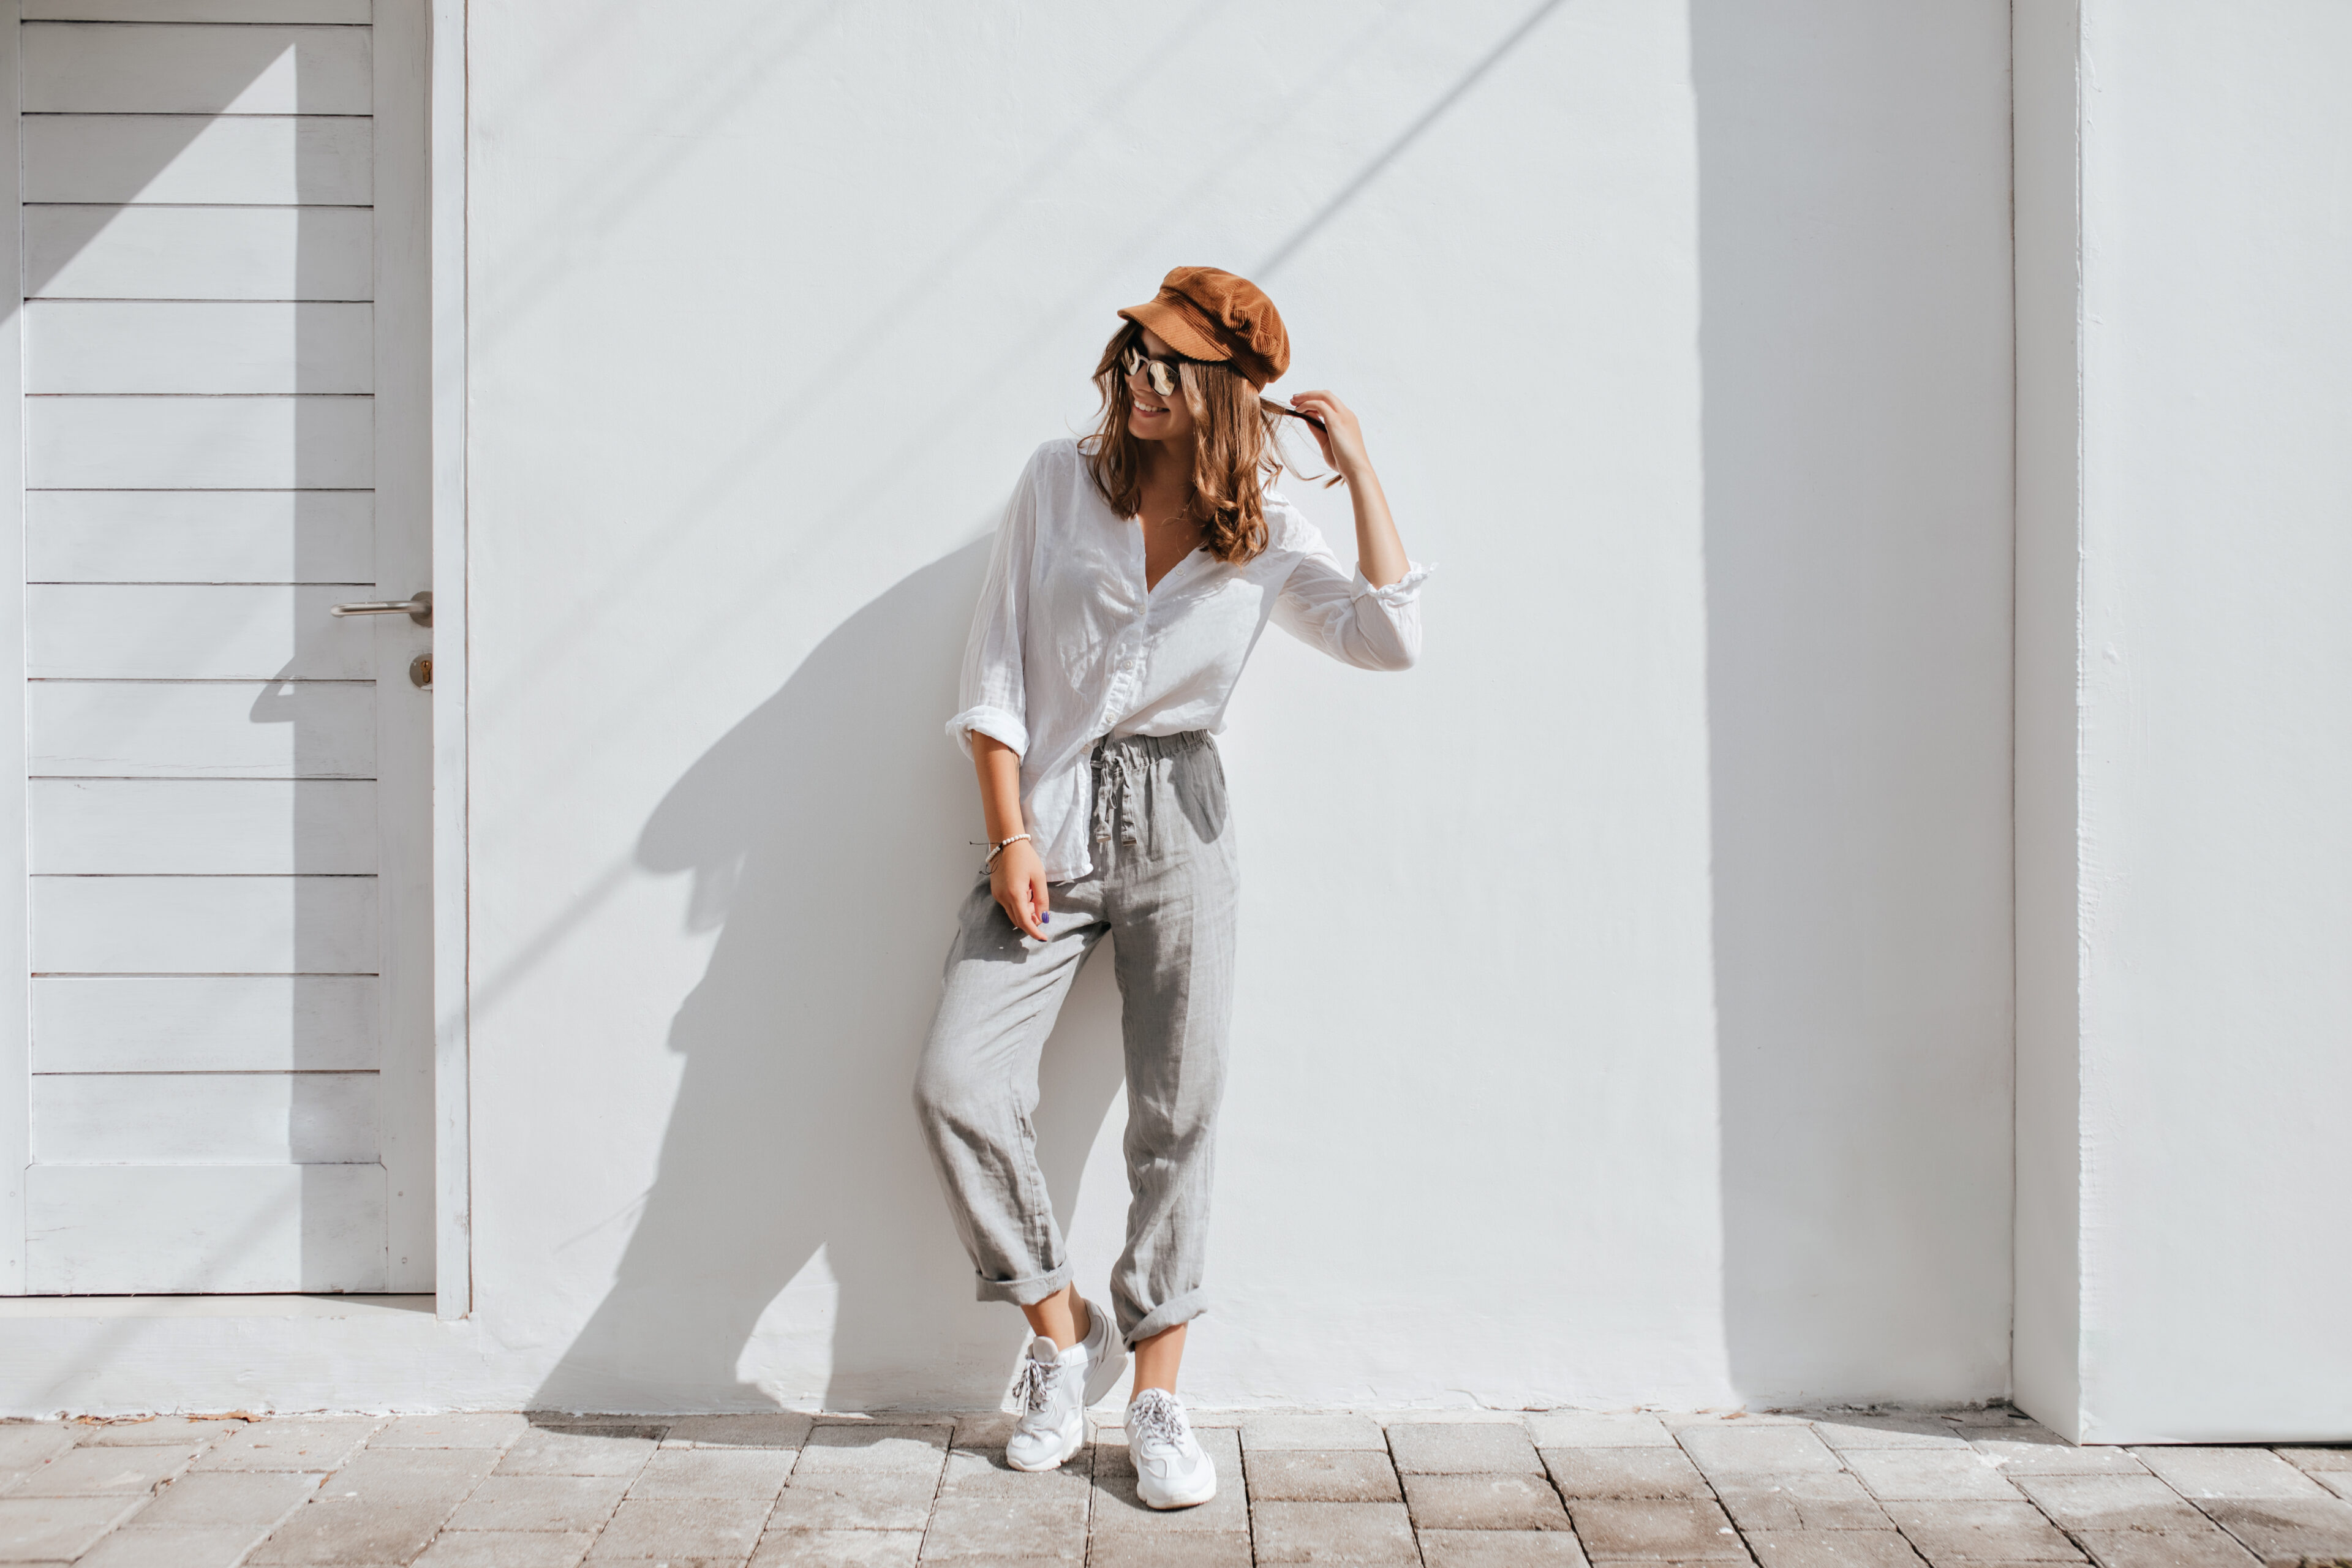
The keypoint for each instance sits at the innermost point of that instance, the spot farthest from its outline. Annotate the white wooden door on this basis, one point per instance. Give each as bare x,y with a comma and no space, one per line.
228,796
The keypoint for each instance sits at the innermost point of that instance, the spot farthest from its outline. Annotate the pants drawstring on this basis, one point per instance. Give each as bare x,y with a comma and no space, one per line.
1117,790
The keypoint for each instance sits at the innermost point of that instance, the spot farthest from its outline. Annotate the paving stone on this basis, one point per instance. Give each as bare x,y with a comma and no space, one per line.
1117,1508
1844,1431
1320,1475
1799,1500
844,1448
1770,1449
1500,1549
24,1443
1779,1508
472,1429
34,1530
2111,1502
1285,1429
581,1448
1584,1429
507,1549
1045,1525
1463,1447
333,1530
154,1430
985,1429
715,1472
1369,1534
1624,1472
251,1501
508,1503
715,1527
403,1475
1681,1421
305,1444
1487,1500
1927,1475
83,1472
2288,1530
2331,1468
839,1549
778,1429
975,1472
1981,1533
1684,1529
2229,1473
177,1548
2047,1454
1186,1549
1833,1548
2207,1546
864,1477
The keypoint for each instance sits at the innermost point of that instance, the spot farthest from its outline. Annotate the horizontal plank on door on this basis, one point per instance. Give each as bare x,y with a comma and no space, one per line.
183,828
201,729
149,158
200,443
138,631
200,536
205,1023
203,1117
205,925
344,11
210,346
77,67
198,1229
112,252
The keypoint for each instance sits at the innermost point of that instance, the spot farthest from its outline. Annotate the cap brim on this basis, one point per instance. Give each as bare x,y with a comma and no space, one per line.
1176,330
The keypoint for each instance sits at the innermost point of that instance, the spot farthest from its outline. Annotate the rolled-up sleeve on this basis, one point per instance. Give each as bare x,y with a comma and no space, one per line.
1327,607
994,693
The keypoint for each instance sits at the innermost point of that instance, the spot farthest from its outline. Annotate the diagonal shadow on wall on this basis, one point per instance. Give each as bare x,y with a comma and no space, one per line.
793,1132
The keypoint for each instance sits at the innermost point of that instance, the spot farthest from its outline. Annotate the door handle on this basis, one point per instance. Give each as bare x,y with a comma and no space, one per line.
417,608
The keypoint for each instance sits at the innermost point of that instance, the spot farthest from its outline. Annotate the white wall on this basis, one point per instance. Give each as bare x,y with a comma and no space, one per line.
1625,1005
2215,860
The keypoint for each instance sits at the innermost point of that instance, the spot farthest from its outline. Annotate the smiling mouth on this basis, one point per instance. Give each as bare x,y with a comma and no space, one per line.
1150,408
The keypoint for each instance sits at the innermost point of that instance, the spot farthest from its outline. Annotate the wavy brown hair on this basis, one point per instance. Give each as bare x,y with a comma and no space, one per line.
1236,449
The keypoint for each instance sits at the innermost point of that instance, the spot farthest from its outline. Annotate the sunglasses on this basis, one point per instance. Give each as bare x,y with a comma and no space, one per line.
1159,374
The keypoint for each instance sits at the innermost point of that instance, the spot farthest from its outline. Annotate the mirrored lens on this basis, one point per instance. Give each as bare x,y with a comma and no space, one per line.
1159,374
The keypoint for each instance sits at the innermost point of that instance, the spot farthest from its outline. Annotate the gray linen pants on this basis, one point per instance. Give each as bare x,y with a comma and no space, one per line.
1165,882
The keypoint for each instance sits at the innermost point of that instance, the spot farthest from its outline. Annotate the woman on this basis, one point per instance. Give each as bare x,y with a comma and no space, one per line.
1133,573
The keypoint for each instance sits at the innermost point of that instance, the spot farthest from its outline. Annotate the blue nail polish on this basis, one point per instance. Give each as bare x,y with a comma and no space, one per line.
1045,919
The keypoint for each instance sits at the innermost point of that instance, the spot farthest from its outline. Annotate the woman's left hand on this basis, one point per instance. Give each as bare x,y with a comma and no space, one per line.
1341,439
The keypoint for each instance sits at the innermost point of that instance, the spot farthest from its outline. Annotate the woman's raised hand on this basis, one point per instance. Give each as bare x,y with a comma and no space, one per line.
1341,439
1017,881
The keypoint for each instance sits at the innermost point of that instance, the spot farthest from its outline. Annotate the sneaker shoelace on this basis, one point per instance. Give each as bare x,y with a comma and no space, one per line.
1035,1384
1156,1422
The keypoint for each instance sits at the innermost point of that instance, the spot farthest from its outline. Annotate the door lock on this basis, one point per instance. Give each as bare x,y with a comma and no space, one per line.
420,671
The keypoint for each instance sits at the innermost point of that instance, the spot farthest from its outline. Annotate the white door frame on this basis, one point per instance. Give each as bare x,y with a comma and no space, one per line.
444,45
452,949
16,914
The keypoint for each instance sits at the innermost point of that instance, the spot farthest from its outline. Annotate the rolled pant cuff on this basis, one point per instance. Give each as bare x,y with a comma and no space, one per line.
1020,1292
1176,1310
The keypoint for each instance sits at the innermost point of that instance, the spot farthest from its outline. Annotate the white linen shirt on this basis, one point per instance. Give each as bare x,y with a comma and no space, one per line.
1068,645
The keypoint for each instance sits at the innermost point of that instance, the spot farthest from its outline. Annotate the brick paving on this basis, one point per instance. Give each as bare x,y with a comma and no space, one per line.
1971,1488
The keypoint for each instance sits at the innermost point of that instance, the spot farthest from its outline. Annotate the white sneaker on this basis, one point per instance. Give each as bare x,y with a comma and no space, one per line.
1172,1470
1054,1388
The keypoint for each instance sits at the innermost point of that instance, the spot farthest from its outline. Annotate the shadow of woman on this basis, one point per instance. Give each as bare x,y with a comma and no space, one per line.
825,835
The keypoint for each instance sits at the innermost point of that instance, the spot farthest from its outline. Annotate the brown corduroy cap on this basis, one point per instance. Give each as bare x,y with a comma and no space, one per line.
1207,314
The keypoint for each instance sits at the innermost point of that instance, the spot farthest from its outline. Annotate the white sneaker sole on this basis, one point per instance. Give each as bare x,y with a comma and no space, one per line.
1188,1500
